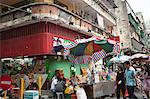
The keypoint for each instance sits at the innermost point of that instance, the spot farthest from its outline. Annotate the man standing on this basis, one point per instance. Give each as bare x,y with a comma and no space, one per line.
130,80
53,84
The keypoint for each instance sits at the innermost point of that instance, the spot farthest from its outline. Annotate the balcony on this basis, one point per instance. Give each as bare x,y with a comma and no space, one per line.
102,9
134,23
52,13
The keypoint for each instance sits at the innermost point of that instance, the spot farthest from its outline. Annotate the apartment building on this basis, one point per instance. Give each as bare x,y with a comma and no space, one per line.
28,27
130,28
147,35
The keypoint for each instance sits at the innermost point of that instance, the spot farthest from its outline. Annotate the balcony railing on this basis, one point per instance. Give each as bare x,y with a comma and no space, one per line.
102,10
52,13
103,5
134,23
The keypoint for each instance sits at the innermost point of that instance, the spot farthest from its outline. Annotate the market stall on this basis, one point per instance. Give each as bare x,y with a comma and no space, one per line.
96,76
24,73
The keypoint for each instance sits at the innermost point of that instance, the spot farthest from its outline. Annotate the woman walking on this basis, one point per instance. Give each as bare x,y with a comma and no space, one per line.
120,80
147,80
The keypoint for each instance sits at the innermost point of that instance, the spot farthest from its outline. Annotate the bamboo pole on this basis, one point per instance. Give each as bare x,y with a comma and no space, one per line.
5,93
22,88
40,83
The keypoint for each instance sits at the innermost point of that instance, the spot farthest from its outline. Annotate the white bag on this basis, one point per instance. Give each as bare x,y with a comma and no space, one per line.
81,93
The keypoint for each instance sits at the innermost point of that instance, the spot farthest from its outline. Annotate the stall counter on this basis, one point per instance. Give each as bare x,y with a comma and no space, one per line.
100,89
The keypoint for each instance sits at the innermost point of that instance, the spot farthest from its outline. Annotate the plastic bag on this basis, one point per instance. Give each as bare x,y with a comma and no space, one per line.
67,90
81,93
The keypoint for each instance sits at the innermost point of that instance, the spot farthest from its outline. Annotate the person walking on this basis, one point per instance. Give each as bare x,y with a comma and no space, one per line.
53,89
130,80
120,80
147,81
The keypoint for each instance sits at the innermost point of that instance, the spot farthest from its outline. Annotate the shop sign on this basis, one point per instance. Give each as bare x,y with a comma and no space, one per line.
5,82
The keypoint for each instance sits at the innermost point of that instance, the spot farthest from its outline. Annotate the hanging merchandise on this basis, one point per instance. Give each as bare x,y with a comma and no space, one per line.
40,62
84,72
19,61
19,68
37,63
80,59
33,62
28,60
116,49
91,65
96,77
73,69
83,59
71,59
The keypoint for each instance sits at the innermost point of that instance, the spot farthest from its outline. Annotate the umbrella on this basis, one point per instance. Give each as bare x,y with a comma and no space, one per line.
120,59
86,47
147,60
89,48
139,56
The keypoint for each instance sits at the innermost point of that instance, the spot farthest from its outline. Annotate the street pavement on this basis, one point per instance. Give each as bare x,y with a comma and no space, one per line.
138,94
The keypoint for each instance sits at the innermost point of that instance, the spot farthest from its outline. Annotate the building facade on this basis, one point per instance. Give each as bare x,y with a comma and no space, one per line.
147,35
28,27
130,28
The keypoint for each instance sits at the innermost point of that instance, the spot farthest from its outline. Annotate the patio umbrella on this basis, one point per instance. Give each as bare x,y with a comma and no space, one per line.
93,46
80,47
120,59
139,56
89,48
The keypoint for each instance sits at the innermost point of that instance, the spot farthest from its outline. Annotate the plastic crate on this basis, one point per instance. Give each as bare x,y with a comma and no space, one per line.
31,94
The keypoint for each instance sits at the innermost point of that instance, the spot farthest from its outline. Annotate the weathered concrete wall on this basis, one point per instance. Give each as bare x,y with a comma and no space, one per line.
123,25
